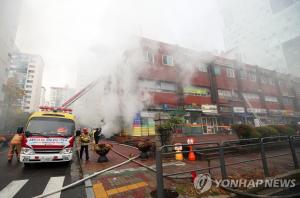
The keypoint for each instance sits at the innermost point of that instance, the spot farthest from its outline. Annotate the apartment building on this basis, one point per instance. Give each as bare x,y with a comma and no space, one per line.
212,92
28,69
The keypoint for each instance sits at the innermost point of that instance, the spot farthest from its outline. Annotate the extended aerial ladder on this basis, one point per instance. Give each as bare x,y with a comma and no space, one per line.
81,93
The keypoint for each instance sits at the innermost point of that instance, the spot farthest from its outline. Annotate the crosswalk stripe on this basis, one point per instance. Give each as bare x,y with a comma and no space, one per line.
54,183
12,188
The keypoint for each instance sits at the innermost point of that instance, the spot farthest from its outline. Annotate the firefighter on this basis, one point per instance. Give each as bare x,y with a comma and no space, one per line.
15,145
84,143
97,134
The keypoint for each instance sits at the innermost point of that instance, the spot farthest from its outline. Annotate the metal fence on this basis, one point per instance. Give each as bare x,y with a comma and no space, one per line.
219,150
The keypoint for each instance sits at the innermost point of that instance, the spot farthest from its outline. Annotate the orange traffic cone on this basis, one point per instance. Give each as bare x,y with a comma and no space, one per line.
192,156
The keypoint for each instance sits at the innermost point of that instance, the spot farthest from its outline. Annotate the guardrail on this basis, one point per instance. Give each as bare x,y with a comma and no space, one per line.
255,144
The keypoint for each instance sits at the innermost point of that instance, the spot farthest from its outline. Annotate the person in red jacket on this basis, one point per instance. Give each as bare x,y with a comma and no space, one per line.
15,145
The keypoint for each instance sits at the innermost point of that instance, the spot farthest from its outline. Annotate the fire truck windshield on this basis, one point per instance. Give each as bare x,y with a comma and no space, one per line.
50,127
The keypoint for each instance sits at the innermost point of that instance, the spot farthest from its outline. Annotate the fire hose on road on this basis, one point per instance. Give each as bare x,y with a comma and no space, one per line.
103,171
86,178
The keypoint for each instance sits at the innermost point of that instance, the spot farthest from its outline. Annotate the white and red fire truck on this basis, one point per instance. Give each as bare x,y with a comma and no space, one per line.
49,136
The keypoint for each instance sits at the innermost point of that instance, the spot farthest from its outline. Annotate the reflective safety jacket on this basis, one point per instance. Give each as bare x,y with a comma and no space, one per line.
17,139
84,139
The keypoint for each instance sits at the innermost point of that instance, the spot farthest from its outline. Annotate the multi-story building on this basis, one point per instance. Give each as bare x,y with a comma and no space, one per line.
28,69
9,14
212,92
263,32
59,95
43,96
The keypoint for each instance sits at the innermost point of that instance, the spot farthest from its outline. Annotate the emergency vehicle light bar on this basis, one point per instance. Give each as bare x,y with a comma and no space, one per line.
55,109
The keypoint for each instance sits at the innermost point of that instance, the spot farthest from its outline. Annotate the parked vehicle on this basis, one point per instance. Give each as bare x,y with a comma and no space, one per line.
49,136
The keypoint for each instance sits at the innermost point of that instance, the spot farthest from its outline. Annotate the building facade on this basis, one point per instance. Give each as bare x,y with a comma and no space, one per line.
43,96
28,69
9,14
59,95
212,92
263,32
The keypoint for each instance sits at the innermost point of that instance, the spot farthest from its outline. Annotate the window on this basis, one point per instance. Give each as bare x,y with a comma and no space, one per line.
250,96
264,80
271,81
243,75
27,91
28,97
202,67
149,57
252,76
167,60
28,86
227,93
30,76
271,99
30,71
168,86
267,80
29,81
217,70
230,73
287,101
157,86
224,93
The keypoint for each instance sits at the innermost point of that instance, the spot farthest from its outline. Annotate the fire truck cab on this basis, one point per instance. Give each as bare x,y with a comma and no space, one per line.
49,136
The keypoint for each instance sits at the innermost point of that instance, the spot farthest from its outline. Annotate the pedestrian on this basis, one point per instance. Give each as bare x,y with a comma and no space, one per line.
15,145
97,135
84,143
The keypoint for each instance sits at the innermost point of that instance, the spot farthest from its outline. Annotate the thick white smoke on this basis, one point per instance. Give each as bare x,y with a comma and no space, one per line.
115,100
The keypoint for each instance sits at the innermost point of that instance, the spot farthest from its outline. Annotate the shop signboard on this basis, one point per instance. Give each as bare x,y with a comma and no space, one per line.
210,109
288,112
256,110
196,90
238,109
275,112
147,114
224,109
192,108
297,114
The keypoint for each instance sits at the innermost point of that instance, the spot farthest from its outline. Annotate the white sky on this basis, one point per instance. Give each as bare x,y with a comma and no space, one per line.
64,31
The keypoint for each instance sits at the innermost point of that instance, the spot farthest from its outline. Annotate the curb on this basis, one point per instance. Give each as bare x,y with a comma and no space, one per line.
88,183
89,188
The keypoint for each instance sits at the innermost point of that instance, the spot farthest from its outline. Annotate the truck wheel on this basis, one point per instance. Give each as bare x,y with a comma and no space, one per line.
26,165
67,163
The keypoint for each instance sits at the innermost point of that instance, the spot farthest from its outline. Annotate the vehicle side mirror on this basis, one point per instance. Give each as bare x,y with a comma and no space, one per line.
20,129
27,133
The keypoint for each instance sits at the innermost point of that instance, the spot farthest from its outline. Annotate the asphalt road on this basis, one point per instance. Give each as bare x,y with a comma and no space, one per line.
38,178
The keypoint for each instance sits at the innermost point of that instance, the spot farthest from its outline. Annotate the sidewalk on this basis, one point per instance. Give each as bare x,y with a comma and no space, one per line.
129,180
132,180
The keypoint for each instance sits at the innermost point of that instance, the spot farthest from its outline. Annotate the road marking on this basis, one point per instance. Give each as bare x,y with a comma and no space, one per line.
99,191
54,183
126,188
12,188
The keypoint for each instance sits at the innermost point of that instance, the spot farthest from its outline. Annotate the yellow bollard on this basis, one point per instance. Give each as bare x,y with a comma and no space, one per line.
179,156
178,149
